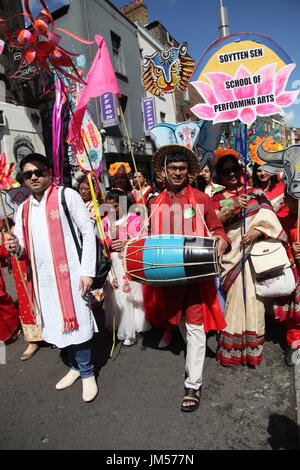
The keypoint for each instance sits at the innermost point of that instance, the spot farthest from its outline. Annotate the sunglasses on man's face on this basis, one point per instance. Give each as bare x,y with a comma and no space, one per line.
27,175
234,169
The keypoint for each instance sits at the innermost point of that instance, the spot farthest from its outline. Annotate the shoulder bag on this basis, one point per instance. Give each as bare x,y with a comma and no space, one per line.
103,264
272,267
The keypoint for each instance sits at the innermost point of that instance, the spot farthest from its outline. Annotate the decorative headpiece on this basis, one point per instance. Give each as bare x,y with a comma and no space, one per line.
119,168
185,137
219,153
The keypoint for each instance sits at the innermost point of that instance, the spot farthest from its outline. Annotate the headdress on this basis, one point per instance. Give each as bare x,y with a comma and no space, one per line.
163,152
120,168
219,153
171,139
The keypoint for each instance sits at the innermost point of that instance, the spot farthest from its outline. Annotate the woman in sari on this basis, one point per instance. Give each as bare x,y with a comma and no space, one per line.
140,184
273,188
208,172
241,342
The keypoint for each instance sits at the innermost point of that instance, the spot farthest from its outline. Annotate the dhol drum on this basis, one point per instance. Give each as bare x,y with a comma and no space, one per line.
169,260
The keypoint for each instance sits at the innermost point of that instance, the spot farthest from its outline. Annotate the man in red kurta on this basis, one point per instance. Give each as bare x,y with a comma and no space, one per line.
193,214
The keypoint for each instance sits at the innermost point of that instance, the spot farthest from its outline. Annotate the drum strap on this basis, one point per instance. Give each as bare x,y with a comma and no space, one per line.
191,200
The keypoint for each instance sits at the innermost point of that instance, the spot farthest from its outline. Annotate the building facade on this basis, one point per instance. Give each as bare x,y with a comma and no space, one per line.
86,18
20,121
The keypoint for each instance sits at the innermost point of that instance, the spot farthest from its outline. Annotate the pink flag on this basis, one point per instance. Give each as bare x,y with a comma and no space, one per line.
100,79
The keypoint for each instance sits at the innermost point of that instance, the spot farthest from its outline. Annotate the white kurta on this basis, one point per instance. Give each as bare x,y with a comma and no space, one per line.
52,321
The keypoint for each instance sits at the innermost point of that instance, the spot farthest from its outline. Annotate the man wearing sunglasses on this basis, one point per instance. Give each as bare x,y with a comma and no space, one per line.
58,282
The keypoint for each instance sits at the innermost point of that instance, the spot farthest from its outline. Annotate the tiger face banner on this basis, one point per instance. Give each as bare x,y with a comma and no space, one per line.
167,70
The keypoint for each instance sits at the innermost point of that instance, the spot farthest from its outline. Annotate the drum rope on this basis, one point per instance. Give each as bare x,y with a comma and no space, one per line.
164,266
154,282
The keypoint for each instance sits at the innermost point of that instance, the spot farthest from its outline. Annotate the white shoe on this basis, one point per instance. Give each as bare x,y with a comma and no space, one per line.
129,342
68,379
89,389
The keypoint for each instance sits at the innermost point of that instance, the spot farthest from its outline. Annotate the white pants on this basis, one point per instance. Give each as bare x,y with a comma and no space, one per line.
195,338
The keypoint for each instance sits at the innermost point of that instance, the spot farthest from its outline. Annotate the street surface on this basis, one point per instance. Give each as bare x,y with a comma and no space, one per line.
138,405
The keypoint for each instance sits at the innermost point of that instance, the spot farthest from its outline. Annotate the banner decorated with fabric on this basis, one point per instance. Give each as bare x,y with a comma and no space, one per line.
93,144
100,79
243,76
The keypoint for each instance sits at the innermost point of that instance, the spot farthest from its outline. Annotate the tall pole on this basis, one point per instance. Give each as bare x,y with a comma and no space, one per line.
223,22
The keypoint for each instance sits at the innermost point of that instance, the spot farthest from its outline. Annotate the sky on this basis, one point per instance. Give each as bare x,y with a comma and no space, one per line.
195,22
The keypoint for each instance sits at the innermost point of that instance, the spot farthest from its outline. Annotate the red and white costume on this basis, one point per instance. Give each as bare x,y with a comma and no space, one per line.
198,303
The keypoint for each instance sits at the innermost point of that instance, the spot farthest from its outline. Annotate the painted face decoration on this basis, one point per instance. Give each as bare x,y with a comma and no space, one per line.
167,70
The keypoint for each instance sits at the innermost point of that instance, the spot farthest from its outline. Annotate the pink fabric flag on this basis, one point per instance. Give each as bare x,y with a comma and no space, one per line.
100,79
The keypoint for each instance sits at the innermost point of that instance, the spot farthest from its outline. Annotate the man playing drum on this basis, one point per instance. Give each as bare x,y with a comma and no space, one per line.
181,209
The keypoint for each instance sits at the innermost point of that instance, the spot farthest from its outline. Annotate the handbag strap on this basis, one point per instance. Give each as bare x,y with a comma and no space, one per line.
66,210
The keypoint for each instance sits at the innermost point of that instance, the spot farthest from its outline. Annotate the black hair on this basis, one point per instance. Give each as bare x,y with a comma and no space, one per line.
177,157
115,195
143,173
34,157
223,160
19,177
220,165
201,183
212,169
256,181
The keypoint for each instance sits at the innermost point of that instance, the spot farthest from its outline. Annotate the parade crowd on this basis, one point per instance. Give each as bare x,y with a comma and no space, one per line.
54,280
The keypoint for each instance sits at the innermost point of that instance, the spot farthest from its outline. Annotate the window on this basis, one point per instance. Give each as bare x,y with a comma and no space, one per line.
123,102
2,118
117,53
162,117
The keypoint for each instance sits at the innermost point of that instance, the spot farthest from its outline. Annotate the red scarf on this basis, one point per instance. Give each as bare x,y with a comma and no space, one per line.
59,257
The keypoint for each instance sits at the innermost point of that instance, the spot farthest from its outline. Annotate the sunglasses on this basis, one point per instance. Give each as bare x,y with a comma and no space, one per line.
27,175
234,169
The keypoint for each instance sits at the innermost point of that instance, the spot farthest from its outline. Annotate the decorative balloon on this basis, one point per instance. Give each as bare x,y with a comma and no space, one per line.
41,46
